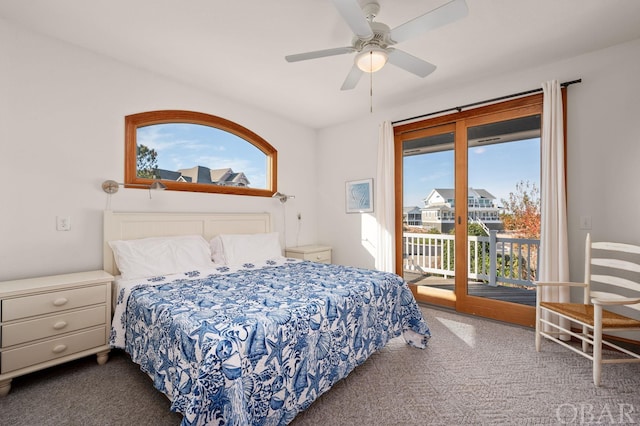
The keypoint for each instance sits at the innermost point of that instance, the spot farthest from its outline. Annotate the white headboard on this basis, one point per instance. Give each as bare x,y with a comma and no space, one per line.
129,226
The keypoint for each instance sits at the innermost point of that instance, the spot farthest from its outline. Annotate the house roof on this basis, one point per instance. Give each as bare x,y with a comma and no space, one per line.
171,175
219,174
449,194
201,174
445,193
482,193
212,45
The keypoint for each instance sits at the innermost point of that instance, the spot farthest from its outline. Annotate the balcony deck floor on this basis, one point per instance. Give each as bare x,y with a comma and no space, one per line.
519,295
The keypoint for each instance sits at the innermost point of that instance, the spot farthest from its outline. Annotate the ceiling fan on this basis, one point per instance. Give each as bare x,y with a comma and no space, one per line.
373,40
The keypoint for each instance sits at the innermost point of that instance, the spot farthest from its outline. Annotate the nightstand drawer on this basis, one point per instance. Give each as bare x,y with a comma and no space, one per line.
314,253
319,256
27,331
37,353
28,306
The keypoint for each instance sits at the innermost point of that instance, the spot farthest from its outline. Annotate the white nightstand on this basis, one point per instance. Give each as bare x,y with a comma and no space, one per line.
51,320
314,253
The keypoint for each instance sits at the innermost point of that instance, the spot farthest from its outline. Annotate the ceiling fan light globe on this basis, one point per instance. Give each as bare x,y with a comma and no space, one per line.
372,59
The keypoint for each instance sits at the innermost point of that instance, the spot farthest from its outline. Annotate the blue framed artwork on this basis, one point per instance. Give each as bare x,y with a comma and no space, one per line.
359,196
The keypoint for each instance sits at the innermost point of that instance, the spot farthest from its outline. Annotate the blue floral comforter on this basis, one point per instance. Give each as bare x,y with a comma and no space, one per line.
256,345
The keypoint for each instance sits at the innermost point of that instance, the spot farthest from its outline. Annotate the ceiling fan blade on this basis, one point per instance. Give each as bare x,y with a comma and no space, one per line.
319,54
352,78
354,17
438,17
410,63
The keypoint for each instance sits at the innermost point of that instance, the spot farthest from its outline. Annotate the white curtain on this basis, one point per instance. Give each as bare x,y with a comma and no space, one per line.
385,200
554,246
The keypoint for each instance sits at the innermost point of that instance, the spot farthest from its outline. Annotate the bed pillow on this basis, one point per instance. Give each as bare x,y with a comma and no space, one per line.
247,248
217,250
148,257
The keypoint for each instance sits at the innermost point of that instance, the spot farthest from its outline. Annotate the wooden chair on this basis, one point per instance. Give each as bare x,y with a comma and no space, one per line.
615,276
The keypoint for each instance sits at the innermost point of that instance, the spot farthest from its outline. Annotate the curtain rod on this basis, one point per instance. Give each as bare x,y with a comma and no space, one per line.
501,98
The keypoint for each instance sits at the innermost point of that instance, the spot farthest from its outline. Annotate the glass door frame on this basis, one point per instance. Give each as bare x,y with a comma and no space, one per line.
459,299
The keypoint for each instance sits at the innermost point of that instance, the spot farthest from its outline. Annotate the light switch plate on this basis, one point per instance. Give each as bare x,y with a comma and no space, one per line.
585,222
63,223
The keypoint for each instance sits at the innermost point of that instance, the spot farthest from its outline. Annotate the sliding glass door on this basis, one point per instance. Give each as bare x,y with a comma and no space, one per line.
428,246
469,204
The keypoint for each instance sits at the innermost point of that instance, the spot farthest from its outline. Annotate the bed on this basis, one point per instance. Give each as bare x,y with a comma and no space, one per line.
253,338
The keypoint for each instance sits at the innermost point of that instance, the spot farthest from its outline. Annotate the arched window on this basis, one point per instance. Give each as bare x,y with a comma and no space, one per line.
193,151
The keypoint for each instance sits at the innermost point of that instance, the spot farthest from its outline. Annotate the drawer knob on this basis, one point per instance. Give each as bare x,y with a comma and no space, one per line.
60,301
59,348
60,325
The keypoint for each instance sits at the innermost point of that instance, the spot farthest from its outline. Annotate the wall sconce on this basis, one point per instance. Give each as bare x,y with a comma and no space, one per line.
111,186
282,197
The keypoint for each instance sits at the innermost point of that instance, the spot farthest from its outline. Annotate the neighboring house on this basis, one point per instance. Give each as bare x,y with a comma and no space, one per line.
228,177
201,174
439,210
171,175
412,216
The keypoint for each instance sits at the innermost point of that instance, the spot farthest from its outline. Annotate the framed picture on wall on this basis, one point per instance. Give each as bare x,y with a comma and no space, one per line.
359,196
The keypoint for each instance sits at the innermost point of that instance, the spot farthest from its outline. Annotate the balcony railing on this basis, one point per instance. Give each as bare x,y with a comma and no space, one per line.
494,260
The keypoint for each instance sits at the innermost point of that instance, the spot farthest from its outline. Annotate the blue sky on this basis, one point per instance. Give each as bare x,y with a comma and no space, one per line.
496,168
182,145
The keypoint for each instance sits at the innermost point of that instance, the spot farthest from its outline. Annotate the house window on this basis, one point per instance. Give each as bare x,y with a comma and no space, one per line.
192,151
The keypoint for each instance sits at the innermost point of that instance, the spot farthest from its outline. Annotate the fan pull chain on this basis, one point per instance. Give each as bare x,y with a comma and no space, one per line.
371,82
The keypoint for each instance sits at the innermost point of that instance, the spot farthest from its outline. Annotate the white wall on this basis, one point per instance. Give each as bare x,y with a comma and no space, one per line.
61,134
62,114
603,149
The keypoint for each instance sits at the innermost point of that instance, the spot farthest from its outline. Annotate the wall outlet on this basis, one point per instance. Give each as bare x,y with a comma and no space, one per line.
585,222
63,223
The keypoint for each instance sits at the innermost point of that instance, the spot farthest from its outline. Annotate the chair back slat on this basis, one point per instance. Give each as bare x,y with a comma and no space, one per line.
612,269
627,248
616,281
617,264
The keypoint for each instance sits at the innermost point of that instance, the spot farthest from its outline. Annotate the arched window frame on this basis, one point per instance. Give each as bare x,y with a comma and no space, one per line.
135,121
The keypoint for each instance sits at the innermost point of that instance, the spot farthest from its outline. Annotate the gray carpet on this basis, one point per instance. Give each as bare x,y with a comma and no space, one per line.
475,372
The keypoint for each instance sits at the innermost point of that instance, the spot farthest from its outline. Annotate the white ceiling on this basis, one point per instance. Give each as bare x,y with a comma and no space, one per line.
236,48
